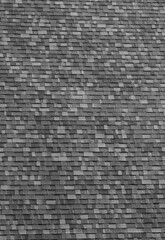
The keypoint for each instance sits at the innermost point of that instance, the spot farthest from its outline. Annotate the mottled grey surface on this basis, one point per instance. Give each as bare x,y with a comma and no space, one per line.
82,120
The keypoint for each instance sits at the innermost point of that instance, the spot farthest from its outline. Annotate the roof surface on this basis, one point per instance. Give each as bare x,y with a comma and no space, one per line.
82,120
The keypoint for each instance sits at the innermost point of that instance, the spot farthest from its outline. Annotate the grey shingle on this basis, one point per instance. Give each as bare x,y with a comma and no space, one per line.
82,120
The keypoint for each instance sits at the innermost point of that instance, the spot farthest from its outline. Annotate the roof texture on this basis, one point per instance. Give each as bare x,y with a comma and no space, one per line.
82,119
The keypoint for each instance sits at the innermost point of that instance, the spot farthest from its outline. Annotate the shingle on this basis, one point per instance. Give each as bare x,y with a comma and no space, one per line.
82,120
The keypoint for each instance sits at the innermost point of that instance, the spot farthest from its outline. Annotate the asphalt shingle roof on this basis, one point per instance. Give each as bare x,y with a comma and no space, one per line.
82,120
